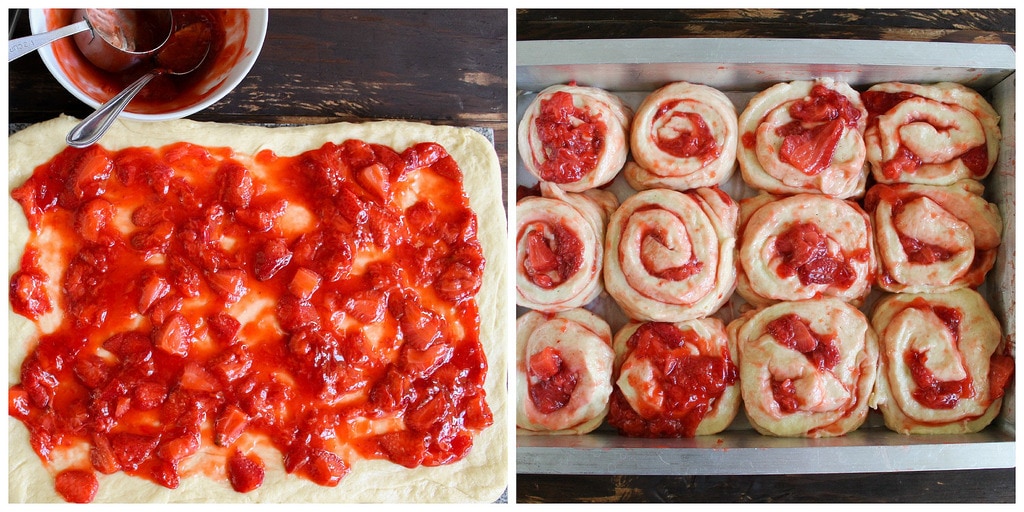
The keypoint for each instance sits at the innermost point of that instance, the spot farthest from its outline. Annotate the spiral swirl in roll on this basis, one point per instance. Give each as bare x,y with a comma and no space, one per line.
803,247
670,256
804,137
943,367
807,368
575,136
564,364
683,136
674,379
560,247
932,134
931,238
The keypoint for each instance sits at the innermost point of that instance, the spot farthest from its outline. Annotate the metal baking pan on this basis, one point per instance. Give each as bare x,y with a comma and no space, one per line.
740,68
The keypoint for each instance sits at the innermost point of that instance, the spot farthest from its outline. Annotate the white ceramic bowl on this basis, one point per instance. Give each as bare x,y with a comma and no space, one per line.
245,30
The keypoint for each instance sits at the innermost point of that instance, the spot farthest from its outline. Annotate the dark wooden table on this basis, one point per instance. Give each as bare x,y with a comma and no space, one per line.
321,66
986,26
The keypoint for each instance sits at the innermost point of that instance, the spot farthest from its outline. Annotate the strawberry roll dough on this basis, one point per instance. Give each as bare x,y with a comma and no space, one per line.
932,238
943,367
563,372
670,256
683,136
675,380
560,247
807,368
804,136
932,134
803,247
575,136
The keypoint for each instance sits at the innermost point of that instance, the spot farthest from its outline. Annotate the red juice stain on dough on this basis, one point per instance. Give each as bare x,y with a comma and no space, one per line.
571,137
897,196
794,332
689,383
804,252
930,391
694,140
153,362
905,161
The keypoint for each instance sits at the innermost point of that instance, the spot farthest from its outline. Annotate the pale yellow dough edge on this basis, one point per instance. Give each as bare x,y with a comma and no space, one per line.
481,477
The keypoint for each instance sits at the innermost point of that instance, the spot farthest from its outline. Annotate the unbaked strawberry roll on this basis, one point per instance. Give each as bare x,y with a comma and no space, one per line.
933,134
560,247
674,379
944,367
932,238
807,368
564,364
805,136
804,246
574,136
670,256
683,136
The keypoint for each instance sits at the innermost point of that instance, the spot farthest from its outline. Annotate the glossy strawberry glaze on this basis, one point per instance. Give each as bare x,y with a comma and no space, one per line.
696,142
322,304
690,383
572,138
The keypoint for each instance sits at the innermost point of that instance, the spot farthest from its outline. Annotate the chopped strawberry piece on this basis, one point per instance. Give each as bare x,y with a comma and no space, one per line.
224,327
811,151
154,288
28,294
230,425
271,258
88,177
179,446
92,219
999,373
904,162
546,363
101,455
304,284
77,486
131,450
368,306
149,395
245,473
233,363
325,468
229,283
194,377
374,178
174,336
540,256
236,186
92,370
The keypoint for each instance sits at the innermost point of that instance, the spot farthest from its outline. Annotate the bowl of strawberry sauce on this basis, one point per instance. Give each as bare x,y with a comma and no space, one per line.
238,36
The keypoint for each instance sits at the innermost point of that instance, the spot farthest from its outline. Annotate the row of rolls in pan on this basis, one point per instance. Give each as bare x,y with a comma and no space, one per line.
803,254
930,363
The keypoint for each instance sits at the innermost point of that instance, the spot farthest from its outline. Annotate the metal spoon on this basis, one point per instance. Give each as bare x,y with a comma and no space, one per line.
184,52
112,39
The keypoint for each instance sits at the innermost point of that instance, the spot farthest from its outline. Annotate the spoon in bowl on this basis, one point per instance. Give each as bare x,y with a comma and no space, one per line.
183,53
111,39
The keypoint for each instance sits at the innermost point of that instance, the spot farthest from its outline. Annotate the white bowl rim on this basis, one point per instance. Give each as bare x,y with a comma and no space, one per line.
258,22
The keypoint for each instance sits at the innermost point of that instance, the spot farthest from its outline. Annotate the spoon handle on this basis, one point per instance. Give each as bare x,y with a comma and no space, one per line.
90,129
23,45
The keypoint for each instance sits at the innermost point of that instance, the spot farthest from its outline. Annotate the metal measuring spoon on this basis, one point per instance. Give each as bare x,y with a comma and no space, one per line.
184,52
112,39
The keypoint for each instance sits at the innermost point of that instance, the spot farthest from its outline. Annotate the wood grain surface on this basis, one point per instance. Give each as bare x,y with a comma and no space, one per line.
985,26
